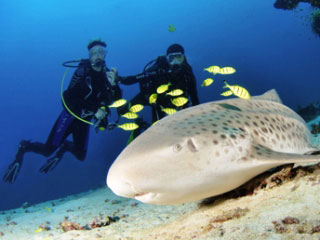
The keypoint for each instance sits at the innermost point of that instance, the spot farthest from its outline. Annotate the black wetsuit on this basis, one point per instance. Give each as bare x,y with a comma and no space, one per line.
87,92
155,74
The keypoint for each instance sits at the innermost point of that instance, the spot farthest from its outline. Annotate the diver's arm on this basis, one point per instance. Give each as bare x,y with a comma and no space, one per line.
129,80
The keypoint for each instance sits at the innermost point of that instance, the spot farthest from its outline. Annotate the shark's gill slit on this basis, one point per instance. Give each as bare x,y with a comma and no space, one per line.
191,145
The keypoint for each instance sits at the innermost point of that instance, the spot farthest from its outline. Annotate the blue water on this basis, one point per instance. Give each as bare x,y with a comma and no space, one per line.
270,48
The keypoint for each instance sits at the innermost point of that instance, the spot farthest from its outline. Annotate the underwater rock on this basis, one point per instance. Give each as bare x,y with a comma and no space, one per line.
310,111
290,220
316,22
26,205
286,4
292,4
68,226
102,221
315,128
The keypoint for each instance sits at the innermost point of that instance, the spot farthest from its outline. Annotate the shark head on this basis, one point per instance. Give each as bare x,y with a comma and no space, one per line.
169,163
208,149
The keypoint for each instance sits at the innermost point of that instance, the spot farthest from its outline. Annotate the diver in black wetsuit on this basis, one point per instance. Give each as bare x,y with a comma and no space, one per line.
172,69
92,88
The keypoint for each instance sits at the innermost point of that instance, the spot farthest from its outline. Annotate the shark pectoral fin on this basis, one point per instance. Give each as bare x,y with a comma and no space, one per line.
269,156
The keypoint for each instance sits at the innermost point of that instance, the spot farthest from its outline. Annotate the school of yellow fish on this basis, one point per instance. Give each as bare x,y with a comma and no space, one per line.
235,90
177,99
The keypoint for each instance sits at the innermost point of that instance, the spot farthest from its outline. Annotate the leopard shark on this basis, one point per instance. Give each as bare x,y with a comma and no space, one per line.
210,149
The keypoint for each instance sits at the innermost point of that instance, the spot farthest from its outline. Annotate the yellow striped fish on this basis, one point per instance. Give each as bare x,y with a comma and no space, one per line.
207,82
118,103
153,98
38,230
227,70
169,111
130,115
136,108
175,92
163,88
227,93
128,126
237,90
212,69
155,122
179,101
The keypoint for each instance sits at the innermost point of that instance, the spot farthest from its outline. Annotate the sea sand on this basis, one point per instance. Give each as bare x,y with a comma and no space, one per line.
285,210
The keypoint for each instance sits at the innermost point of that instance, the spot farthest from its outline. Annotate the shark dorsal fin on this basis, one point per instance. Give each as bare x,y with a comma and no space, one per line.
270,95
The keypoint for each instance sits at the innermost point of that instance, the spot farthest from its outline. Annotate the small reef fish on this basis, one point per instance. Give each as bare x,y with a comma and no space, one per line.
128,126
207,82
48,209
212,69
171,28
163,88
169,111
118,103
238,91
175,92
227,93
38,230
130,115
227,70
153,98
179,101
136,108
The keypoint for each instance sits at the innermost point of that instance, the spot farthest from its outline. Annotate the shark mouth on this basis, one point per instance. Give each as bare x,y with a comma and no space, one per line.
145,197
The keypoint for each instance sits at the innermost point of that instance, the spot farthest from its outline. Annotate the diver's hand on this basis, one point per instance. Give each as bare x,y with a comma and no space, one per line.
100,119
100,114
112,76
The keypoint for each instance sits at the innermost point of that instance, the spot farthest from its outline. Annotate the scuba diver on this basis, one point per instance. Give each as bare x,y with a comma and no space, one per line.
92,88
167,84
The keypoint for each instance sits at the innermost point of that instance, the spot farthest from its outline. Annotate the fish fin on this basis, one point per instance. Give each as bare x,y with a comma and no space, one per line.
268,156
270,95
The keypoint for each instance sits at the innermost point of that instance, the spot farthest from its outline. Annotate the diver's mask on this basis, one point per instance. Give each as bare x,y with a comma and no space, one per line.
175,58
97,55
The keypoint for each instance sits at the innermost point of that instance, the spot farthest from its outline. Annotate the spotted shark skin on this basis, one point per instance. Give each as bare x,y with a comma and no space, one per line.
210,149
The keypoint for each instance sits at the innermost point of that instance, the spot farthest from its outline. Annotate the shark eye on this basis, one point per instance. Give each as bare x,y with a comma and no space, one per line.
177,148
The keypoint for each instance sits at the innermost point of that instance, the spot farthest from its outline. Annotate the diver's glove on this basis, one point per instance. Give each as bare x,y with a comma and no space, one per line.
100,119
112,76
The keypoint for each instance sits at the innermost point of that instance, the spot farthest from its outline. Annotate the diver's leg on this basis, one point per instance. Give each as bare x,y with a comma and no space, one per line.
80,135
53,142
57,139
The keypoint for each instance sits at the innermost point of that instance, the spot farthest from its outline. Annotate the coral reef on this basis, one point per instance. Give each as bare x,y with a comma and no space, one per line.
315,128
316,22
292,4
97,222
310,111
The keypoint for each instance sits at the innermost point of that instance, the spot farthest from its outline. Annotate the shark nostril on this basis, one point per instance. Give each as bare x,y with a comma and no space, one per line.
191,145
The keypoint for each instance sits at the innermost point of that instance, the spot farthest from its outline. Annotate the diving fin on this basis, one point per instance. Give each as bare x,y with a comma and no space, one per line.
14,168
12,172
50,164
